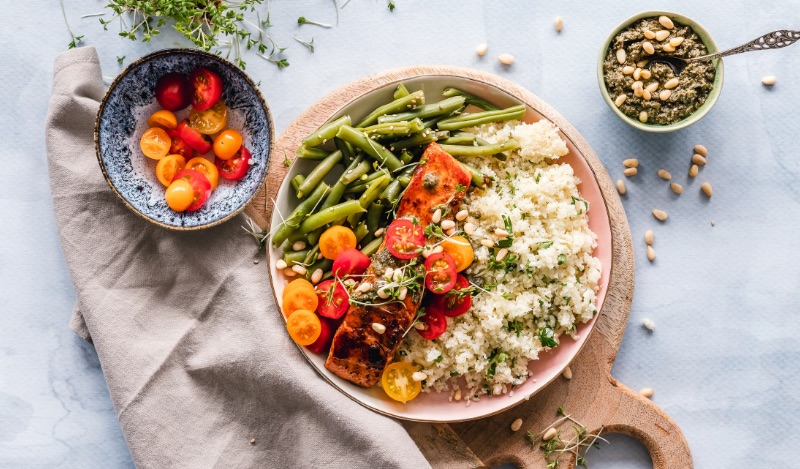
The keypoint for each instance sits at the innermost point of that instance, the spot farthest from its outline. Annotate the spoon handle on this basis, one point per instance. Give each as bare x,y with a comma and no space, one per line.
773,40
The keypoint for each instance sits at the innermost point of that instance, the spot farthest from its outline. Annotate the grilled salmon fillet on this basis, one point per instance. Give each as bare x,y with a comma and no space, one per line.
358,353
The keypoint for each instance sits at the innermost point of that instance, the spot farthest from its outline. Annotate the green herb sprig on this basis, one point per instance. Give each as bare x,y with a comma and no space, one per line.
555,446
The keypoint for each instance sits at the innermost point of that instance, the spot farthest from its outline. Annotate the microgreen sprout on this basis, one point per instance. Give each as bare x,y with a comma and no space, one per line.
281,63
303,20
391,5
577,445
257,233
309,44
120,60
75,39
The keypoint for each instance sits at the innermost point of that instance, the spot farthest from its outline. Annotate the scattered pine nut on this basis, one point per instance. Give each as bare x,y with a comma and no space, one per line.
676,188
379,232
668,48
664,174
501,233
769,80
378,327
651,253
317,276
299,269
621,187
649,237
707,190
643,117
469,228
457,394
698,159
630,172
620,99
693,170
383,294
437,216
637,74
660,215
549,434
646,74
646,95
516,425
487,243
647,46
501,254
661,35
652,86
506,59
664,95
401,295
481,49
649,34
701,150
621,56
638,92
253,441
627,70
713,223
419,376
649,324
567,373
676,41
631,163
559,23
289,272
462,215
437,249
298,245
448,224
646,392
255,261
642,63
637,85
281,264
671,83
666,22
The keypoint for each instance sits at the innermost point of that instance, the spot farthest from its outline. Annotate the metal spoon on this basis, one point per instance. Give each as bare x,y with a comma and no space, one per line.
773,40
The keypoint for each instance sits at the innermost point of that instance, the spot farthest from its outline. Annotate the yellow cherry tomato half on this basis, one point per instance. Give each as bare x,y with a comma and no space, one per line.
206,167
155,143
180,195
335,240
168,166
227,144
164,119
298,283
209,121
300,298
398,381
460,250
304,326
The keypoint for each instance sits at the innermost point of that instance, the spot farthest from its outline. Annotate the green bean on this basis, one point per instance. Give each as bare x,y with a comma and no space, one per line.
318,174
374,214
370,195
346,149
295,219
369,146
361,185
356,188
295,257
404,180
322,264
443,107
297,180
373,246
479,118
401,91
461,138
354,174
297,237
398,105
394,129
376,175
337,191
487,150
326,132
311,153
327,275
406,156
330,214
421,138
391,192
361,231
312,255
499,156
429,123
313,237
470,99
478,179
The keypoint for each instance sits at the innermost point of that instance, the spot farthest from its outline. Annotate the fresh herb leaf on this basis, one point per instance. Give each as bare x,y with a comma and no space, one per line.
562,258
391,5
461,188
516,326
545,244
439,359
547,337
506,242
120,59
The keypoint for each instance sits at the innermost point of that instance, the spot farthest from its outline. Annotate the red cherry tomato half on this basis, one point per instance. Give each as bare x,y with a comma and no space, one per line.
455,302
236,167
172,91
323,342
435,323
404,239
200,184
333,299
440,272
350,262
200,143
179,145
206,88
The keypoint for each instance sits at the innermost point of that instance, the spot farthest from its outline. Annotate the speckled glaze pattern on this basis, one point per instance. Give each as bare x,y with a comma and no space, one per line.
120,124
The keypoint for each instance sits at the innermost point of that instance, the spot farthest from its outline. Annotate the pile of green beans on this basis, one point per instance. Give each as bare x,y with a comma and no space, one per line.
379,155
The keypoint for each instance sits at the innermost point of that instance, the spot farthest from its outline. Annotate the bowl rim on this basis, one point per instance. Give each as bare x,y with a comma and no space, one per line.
201,53
711,46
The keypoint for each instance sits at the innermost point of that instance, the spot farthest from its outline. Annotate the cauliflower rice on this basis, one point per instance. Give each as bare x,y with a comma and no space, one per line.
545,286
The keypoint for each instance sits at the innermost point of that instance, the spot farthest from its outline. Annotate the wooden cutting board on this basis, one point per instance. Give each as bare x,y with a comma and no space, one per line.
592,396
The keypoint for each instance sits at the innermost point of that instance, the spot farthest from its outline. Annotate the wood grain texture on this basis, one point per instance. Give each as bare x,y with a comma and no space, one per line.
592,396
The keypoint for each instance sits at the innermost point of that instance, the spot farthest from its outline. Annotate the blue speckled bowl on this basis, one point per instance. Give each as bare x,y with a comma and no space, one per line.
122,118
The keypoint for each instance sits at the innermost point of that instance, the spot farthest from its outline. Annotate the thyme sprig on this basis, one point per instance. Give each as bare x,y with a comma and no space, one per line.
555,447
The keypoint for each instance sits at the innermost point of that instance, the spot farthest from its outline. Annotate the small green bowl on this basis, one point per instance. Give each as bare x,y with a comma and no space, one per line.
695,116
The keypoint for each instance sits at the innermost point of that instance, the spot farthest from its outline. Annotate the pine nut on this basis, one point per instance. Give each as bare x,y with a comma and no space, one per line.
481,49
769,80
379,232
649,325
501,233
462,215
646,95
646,74
437,249
664,174
317,276
378,327
364,287
642,63
516,425
437,216
487,243
666,22
559,23
549,434
621,187
621,56
649,34
631,163
651,253
647,46
646,392
668,48
676,188
637,84
397,275
698,159
457,394
388,273
506,59
707,190
671,83
299,269
660,215
620,99
693,170
627,70
469,228
630,172
661,35
567,373
501,254
419,376
649,237
448,224
383,294
664,95
701,150
401,295
652,86
676,41
280,265
643,117
298,245
637,74
289,272
450,232
638,92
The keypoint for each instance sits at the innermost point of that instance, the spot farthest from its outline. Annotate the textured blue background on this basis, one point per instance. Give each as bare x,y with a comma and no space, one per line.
724,356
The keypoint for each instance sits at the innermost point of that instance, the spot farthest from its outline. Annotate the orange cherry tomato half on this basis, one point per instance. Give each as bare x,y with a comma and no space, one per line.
335,240
461,251
235,168
164,119
211,120
404,238
206,167
300,298
206,88
168,166
180,195
297,283
200,186
199,142
155,143
398,382
303,326
227,144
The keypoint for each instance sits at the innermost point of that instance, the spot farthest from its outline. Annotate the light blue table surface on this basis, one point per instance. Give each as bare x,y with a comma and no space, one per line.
723,358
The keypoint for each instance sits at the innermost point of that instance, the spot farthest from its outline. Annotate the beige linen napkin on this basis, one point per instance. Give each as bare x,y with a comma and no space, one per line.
195,354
